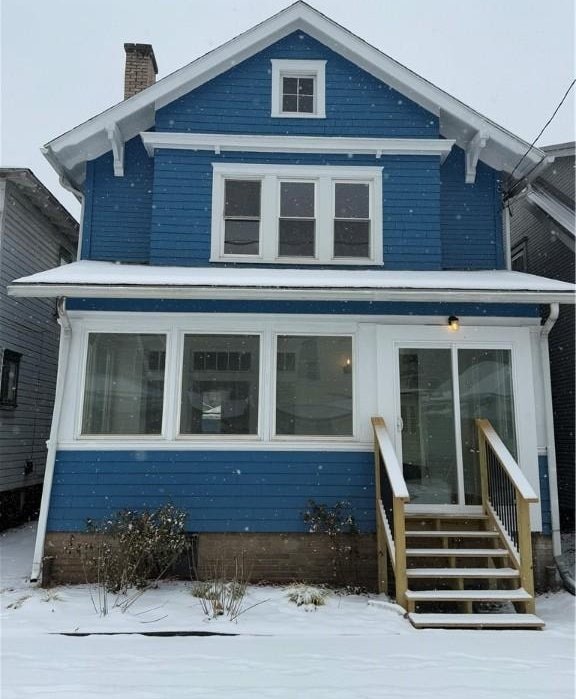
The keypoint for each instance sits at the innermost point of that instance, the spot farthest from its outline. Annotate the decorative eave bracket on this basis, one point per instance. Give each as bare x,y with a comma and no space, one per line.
473,150
117,143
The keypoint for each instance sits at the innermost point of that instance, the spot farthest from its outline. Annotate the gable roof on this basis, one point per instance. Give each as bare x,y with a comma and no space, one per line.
43,199
471,130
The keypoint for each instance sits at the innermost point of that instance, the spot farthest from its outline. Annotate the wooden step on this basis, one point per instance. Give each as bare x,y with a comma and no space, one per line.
462,573
466,534
519,595
475,621
459,553
445,515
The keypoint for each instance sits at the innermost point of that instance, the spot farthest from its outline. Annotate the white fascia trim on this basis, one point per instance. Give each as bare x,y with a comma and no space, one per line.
299,16
314,69
295,144
287,294
553,207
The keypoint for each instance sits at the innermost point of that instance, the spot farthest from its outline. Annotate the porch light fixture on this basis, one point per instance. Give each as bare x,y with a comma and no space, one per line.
347,368
454,323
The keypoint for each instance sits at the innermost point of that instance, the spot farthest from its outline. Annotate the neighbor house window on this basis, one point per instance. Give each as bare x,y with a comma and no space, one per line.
520,257
305,214
298,88
124,391
10,369
220,385
314,397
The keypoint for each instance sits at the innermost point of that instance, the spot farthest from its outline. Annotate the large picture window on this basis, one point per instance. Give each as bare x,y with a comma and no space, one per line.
124,391
304,214
314,388
220,385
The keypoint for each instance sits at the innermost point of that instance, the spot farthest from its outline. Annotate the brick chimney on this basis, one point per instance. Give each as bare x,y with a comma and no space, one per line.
141,68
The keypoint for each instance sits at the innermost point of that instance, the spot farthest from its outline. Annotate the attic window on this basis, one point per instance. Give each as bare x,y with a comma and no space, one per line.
298,89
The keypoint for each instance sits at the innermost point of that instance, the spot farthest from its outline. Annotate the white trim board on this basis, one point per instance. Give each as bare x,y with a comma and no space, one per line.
69,152
295,144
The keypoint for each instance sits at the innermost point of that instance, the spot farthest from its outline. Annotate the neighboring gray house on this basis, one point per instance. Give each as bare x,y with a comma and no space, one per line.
542,232
36,233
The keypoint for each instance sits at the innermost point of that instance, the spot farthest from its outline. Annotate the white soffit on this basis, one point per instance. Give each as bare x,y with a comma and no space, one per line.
69,152
108,279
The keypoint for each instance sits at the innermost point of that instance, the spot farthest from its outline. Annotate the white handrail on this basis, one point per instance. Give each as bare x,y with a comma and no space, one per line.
391,463
507,461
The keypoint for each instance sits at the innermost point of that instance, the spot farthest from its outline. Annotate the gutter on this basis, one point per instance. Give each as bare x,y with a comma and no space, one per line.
63,354
551,448
303,293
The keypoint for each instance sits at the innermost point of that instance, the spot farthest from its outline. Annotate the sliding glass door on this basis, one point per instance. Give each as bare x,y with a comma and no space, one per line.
442,392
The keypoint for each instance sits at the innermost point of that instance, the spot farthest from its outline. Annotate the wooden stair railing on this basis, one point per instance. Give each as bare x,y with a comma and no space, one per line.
506,498
391,496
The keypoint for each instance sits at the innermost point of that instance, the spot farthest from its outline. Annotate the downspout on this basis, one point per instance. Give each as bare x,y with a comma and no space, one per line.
63,353
551,448
507,239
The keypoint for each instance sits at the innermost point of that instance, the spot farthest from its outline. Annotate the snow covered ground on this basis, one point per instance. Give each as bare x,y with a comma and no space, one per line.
353,647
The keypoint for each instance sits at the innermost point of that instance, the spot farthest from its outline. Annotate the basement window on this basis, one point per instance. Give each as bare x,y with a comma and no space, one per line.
298,89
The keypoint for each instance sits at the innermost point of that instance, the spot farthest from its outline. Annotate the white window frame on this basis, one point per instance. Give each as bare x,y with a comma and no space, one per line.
192,437
273,382
284,68
104,437
325,177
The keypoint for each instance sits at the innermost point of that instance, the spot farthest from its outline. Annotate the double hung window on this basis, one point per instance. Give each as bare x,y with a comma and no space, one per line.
9,372
309,215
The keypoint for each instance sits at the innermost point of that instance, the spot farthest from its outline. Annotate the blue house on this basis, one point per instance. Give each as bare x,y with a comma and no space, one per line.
295,284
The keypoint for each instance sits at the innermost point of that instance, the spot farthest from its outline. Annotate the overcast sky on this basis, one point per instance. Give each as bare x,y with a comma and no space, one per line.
63,60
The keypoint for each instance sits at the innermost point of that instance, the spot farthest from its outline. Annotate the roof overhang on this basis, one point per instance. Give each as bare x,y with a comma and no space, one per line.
480,137
42,198
89,279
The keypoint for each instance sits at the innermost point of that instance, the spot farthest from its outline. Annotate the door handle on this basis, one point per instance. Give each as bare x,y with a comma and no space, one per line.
399,424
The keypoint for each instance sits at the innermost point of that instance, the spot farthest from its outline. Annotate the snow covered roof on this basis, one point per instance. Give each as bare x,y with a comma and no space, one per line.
108,279
477,134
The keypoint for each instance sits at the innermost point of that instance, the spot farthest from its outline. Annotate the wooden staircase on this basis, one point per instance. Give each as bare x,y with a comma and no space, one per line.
458,570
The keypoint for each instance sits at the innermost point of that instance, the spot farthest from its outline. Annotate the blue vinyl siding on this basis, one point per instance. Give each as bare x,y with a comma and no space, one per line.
303,307
181,219
471,216
222,491
117,210
239,100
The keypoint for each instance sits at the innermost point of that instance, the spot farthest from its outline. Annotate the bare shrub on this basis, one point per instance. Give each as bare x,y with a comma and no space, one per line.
224,594
130,550
307,595
339,524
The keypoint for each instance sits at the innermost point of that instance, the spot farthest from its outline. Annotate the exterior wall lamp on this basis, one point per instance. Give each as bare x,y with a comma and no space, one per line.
454,323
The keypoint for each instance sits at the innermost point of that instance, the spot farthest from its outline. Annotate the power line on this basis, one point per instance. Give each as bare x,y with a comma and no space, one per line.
546,125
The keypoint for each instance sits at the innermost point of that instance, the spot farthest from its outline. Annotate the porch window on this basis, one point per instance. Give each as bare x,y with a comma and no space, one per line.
315,396
124,392
220,385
